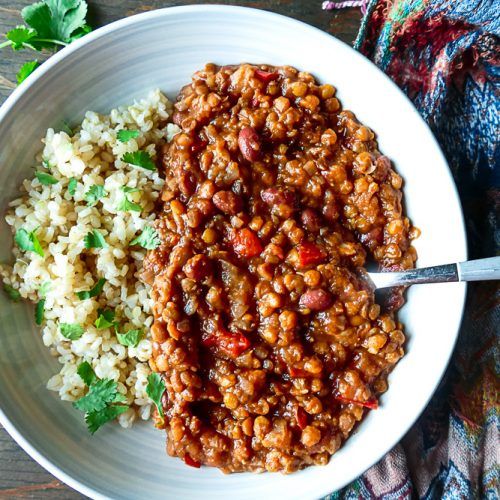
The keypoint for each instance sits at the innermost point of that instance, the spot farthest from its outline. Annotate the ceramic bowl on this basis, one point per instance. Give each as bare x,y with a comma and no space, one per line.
123,61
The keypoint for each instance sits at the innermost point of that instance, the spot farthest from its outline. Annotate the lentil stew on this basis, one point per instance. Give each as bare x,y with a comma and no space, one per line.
270,346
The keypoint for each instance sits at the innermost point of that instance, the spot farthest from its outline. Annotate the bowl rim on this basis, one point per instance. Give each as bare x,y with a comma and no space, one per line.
65,52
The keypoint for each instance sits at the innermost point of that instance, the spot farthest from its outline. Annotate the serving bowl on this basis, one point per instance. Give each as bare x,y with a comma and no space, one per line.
125,60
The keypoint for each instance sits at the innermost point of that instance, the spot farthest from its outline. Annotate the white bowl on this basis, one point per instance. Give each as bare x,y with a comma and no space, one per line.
126,59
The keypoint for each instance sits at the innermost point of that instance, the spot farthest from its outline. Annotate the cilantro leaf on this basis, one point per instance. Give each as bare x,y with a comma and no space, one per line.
46,164
28,241
55,20
94,291
101,392
25,70
94,239
155,390
40,312
96,419
20,36
44,288
72,186
72,331
105,319
66,128
130,338
46,179
125,205
126,135
12,292
148,239
139,159
86,373
94,194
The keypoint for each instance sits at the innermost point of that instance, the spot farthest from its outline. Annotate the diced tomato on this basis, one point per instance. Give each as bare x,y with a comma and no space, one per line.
191,462
246,243
231,344
371,403
301,417
266,76
310,254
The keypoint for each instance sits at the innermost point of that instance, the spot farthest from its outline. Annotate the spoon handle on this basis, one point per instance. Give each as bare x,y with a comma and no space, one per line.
472,270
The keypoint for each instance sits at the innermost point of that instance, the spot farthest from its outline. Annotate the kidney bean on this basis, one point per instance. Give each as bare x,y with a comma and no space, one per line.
372,238
331,212
311,220
198,267
316,300
249,144
228,202
383,167
187,184
273,196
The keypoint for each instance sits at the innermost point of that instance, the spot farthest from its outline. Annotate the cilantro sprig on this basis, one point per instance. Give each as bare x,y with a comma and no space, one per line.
94,194
28,241
125,135
71,331
155,390
125,204
51,24
130,338
12,293
93,292
102,402
140,159
148,239
46,179
94,239
105,319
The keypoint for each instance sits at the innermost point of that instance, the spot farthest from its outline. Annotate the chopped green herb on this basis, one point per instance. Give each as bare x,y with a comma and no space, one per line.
130,338
28,241
148,239
93,292
46,164
139,159
40,312
25,70
94,194
155,390
12,292
20,36
97,419
86,373
44,288
71,331
99,404
126,135
105,319
46,179
94,239
125,205
66,128
72,186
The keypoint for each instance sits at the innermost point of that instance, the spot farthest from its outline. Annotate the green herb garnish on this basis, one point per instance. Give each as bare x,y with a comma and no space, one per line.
46,179
44,288
94,239
94,194
93,292
130,338
72,186
155,390
126,135
139,159
148,239
125,205
72,331
25,70
12,292
105,319
40,312
100,402
28,241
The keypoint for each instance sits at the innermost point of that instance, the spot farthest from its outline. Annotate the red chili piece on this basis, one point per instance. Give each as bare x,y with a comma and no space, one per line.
246,243
266,76
371,403
191,462
301,417
231,344
310,254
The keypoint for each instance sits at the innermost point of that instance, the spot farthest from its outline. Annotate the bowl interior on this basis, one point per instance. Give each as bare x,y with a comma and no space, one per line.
162,49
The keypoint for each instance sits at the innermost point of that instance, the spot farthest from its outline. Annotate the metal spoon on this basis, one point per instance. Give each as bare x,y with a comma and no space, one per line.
472,270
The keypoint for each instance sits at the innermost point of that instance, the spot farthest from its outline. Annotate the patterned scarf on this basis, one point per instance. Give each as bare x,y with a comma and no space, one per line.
444,54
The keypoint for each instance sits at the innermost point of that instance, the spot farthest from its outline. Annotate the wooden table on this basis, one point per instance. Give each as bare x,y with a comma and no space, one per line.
20,476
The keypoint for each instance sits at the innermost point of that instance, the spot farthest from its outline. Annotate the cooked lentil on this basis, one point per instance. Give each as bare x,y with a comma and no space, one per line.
270,346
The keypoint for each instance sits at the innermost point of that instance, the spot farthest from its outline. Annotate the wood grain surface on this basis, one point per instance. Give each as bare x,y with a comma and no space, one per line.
21,476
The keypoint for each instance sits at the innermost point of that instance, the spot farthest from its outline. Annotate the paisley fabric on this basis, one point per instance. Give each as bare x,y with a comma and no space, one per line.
444,54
